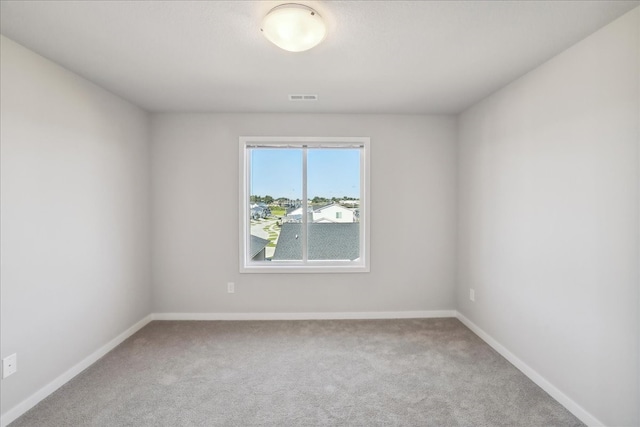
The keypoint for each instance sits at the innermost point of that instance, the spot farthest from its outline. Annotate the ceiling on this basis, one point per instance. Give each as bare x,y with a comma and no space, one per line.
378,57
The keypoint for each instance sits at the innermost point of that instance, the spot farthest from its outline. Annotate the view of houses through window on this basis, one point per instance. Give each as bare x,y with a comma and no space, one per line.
303,203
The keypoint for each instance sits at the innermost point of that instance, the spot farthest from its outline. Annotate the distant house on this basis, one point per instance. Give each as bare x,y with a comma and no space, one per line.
288,203
258,247
352,203
326,241
295,215
333,213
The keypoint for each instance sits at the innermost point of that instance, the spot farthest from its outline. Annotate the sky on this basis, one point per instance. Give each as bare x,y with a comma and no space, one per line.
330,172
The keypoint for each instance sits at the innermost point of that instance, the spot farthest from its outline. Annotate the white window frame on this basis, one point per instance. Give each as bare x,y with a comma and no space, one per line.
360,265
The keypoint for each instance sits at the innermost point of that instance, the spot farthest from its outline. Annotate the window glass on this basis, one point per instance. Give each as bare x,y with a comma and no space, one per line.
275,193
333,176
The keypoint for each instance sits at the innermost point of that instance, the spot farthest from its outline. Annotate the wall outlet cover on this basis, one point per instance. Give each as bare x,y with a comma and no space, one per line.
9,365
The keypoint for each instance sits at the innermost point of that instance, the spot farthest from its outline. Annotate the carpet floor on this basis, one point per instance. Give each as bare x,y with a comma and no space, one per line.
414,372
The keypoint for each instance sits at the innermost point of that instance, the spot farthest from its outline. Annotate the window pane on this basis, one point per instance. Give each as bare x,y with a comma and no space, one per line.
305,204
333,187
275,190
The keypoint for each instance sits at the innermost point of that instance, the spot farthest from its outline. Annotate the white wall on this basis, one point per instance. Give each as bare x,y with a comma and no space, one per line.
74,215
330,213
548,220
195,216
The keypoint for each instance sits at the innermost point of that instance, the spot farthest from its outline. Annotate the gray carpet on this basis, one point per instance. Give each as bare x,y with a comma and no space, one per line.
416,372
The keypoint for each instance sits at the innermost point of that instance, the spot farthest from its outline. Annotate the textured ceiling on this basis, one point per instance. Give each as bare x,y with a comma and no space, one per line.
378,57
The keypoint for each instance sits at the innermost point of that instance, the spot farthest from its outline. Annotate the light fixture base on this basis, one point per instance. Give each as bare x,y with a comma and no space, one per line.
294,27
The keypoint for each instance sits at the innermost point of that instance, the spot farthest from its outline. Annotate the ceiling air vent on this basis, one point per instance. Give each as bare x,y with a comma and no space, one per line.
303,97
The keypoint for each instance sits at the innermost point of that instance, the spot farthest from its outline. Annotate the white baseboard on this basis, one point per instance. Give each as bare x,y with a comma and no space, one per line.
534,376
307,316
45,391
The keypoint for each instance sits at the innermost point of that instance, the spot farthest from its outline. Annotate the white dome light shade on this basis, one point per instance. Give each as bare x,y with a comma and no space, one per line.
294,27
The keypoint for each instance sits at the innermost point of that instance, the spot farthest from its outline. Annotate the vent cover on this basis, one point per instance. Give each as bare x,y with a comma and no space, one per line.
303,97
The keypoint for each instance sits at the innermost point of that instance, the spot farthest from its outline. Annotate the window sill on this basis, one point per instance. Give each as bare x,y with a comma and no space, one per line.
304,269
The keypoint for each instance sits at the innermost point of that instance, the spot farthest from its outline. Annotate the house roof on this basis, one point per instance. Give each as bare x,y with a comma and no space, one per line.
311,208
257,244
291,211
318,209
326,241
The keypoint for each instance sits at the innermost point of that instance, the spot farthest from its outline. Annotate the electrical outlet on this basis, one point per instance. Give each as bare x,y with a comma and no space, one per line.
9,365
472,295
231,287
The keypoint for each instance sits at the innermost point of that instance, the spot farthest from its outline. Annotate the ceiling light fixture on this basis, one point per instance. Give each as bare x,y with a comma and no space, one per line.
294,27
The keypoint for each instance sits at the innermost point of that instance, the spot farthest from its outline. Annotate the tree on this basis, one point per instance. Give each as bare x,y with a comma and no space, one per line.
268,199
318,200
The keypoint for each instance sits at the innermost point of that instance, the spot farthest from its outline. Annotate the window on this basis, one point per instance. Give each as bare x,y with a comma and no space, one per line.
304,204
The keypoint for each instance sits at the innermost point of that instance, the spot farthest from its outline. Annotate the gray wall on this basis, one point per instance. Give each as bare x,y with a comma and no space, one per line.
195,216
74,210
548,220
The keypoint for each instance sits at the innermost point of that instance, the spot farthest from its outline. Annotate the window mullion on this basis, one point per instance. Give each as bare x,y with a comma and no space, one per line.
364,200
248,181
305,207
